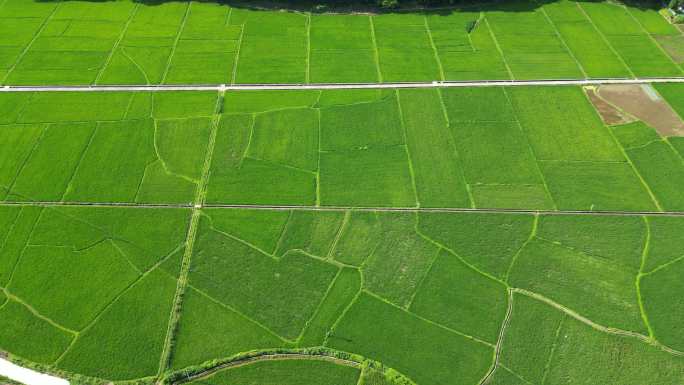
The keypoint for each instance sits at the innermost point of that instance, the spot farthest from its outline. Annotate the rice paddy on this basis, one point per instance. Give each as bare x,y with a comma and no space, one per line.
385,236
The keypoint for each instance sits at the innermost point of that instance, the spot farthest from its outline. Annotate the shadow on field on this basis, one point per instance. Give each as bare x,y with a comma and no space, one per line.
433,7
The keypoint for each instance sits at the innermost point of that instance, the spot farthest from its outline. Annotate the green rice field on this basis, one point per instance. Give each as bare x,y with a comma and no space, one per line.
434,235
481,235
129,42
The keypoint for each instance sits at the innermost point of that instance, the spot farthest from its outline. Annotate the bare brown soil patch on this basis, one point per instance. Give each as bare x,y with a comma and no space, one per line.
609,114
673,45
644,103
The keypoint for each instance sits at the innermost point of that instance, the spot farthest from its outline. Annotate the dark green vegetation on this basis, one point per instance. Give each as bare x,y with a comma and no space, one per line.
130,42
425,294
308,147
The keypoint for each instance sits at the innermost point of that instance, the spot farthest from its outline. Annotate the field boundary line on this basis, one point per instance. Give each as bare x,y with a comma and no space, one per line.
458,256
68,187
39,140
124,30
605,39
663,266
338,235
183,279
36,313
434,48
233,75
181,28
419,285
653,40
375,48
406,148
533,234
637,280
307,324
524,132
452,143
307,76
628,159
498,46
562,40
499,342
240,313
270,356
343,208
428,321
30,44
596,326
554,346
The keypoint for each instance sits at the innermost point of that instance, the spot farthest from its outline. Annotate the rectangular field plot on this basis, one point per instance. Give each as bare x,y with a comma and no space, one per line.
404,48
273,46
597,58
142,55
129,42
207,48
72,45
541,148
84,282
104,147
630,40
424,295
342,50
530,43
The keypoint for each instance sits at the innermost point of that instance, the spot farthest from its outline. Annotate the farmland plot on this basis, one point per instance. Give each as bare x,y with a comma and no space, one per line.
77,277
337,292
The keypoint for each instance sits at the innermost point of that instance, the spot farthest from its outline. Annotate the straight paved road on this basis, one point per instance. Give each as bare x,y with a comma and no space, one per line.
335,86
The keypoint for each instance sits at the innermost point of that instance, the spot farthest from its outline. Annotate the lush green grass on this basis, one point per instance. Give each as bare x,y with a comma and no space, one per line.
274,46
636,134
663,170
261,228
359,238
560,348
30,337
400,261
618,239
487,241
207,47
342,49
424,352
673,94
630,40
280,293
125,42
285,372
347,284
15,239
310,231
381,177
561,124
664,307
127,339
596,186
404,49
666,241
209,330
530,44
477,310
429,143
465,54
595,287
596,57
